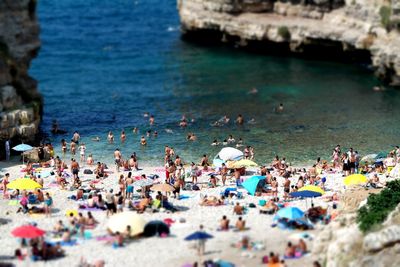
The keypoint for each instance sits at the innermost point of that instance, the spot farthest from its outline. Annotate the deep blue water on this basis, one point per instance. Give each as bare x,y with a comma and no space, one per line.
104,63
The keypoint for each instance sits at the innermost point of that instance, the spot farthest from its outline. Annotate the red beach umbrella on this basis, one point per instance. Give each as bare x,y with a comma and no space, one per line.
27,231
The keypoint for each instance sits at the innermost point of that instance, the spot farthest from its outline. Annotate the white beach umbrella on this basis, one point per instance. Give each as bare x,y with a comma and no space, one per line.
230,153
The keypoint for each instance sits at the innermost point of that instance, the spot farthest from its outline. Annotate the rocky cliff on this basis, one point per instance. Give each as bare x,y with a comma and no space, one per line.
341,243
20,102
367,26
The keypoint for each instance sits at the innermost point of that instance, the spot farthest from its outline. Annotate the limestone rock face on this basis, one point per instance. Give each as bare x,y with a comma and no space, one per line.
351,24
342,244
20,101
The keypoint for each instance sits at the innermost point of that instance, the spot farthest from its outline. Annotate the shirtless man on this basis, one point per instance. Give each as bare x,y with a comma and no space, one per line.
129,186
74,168
240,224
118,158
76,137
239,119
224,223
286,188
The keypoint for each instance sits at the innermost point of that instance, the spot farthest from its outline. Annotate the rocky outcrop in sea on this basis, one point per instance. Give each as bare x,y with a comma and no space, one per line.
369,28
20,101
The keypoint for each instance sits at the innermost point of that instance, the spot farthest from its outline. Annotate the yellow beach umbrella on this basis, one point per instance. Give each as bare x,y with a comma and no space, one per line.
242,163
162,188
312,188
120,221
73,212
24,184
355,179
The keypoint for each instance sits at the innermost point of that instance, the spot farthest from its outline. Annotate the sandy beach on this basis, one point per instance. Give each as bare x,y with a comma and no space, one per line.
171,250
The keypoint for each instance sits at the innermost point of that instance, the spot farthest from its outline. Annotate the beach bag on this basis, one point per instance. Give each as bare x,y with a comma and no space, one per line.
195,187
87,171
251,205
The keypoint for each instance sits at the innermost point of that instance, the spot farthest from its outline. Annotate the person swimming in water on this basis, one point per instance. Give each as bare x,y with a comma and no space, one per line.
240,119
231,139
253,91
279,109
215,143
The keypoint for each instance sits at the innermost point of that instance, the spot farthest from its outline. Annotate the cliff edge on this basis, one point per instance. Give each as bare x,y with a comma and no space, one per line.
20,101
366,26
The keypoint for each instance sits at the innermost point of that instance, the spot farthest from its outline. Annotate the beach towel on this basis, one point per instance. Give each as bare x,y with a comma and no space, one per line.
182,197
71,243
105,238
13,203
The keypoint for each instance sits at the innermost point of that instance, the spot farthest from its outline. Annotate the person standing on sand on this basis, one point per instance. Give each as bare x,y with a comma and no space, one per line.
110,203
5,182
224,173
201,246
48,203
82,149
129,186
7,147
74,168
118,158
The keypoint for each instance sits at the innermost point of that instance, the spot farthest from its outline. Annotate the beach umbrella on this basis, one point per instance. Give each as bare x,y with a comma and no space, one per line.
199,235
73,212
218,162
251,183
27,231
312,188
155,228
143,182
230,153
162,188
305,194
290,213
222,263
355,179
22,148
24,184
119,222
242,163
395,172
369,157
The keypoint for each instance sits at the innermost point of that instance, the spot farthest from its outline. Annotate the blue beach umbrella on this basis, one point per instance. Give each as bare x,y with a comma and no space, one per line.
251,184
198,236
305,194
22,148
290,213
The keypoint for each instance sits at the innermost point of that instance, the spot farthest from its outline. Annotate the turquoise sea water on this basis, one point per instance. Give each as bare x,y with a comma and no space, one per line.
104,63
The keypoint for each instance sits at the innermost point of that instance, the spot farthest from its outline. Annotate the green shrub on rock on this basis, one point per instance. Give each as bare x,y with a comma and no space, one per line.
385,12
379,206
284,32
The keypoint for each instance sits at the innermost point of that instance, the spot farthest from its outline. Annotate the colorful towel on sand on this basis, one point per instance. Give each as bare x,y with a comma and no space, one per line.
13,203
71,243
